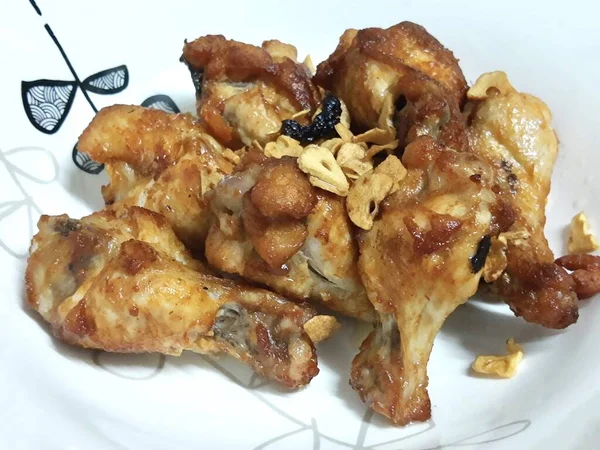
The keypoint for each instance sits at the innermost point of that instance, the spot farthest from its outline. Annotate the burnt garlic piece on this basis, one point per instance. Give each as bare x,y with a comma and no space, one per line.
483,249
323,125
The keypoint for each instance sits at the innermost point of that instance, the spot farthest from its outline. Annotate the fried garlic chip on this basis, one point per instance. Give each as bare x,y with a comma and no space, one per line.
209,178
385,131
345,116
299,114
496,261
333,145
231,156
393,168
350,157
376,149
378,136
365,196
283,146
320,328
489,84
504,366
308,62
581,238
323,170
344,132
362,204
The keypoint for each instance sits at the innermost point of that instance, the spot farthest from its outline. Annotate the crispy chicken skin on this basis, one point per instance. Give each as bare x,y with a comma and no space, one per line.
512,132
416,264
160,161
122,282
407,63
246,91
306,251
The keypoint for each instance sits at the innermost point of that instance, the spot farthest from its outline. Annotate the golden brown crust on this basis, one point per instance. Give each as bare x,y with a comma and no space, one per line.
404,44
540,292
148,140
523,157
122,282
297,253
586,273
403,60
275,240
237,76
163,162
378,377
283,191
416,265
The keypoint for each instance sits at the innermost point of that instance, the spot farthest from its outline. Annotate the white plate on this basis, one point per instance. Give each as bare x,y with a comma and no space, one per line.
55,396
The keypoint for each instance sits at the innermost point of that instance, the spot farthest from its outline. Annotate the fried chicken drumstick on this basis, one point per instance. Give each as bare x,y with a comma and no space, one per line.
160,161
419,263
511,131
403,65
274,228
244,92
121,281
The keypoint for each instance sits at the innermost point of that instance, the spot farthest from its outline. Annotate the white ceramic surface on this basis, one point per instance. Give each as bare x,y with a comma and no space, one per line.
53,396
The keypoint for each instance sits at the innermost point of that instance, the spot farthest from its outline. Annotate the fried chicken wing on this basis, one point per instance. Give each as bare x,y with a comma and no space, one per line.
160,161
421,260
274,228
512,132
122,282
403,65
244,92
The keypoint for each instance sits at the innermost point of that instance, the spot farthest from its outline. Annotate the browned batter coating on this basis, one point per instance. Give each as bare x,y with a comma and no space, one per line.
122,282
273,227
586,273
407,63
417,266
160,161
246,90
512,132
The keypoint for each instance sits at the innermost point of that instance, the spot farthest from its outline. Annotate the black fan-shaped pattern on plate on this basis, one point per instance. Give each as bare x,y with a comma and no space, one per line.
47,103
109,81
162,102
85,163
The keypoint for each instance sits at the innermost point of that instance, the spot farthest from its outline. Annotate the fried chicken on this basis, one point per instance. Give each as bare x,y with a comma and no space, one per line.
585,275
421,260
121,281
403,65
512,132
163,162
244,92
274,228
